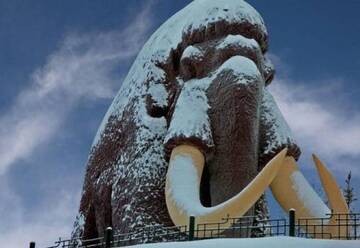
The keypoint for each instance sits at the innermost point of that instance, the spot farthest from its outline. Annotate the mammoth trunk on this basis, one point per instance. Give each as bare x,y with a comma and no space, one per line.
219,115
234,161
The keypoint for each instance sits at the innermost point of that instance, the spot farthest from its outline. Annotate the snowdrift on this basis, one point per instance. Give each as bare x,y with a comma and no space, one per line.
272,242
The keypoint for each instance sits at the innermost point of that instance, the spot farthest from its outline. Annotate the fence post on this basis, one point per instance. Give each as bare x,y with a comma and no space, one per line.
191,227
108,237
292,222
32,245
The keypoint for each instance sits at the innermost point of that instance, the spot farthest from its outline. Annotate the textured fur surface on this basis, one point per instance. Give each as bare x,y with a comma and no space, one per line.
200,79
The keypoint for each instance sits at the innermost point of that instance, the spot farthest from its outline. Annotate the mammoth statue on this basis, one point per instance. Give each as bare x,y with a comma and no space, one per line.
194,130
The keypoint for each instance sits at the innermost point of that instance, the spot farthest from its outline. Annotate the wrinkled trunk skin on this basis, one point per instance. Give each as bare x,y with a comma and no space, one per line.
236,135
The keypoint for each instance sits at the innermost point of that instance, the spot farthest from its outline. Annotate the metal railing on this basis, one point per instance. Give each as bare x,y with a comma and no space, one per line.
346,227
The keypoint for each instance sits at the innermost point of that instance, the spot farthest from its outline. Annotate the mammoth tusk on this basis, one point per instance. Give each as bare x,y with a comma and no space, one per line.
337,223
183,193
334,195
292,190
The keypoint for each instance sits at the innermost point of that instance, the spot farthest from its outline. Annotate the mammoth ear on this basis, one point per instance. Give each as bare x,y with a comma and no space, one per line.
269,70
157,100
275,133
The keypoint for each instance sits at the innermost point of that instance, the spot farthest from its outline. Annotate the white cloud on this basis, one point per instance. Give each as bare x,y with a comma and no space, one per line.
82,69
323,121
45,225
320,119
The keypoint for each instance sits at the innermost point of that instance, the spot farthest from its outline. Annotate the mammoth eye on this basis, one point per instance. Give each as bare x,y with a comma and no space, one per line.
190,61
157,100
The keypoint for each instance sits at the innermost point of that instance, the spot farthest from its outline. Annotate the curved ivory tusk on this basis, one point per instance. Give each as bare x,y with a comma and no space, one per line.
183,188
335,197
336,201
292,190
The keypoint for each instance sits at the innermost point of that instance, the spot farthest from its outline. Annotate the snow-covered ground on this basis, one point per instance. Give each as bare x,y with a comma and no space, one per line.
273,242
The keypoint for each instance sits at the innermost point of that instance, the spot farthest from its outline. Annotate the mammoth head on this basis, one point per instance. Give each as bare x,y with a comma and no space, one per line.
197,91
216,102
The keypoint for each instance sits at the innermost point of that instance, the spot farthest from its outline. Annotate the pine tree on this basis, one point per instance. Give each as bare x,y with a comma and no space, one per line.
261,217
349,193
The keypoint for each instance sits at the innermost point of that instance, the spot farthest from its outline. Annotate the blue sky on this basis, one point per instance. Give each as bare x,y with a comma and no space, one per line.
62,62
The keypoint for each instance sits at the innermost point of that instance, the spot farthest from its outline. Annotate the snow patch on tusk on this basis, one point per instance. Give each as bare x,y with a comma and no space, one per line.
308,196
185,180
292,190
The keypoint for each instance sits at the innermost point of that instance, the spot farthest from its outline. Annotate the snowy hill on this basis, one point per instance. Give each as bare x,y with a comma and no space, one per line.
273,242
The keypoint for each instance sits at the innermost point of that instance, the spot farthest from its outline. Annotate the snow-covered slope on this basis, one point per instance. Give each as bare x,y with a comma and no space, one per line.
273,242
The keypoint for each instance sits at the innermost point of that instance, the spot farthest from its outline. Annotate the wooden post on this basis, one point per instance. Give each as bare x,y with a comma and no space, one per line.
191,227
292,222
108,237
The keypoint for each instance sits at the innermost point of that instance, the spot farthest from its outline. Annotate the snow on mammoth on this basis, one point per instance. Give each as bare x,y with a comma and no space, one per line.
194,130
